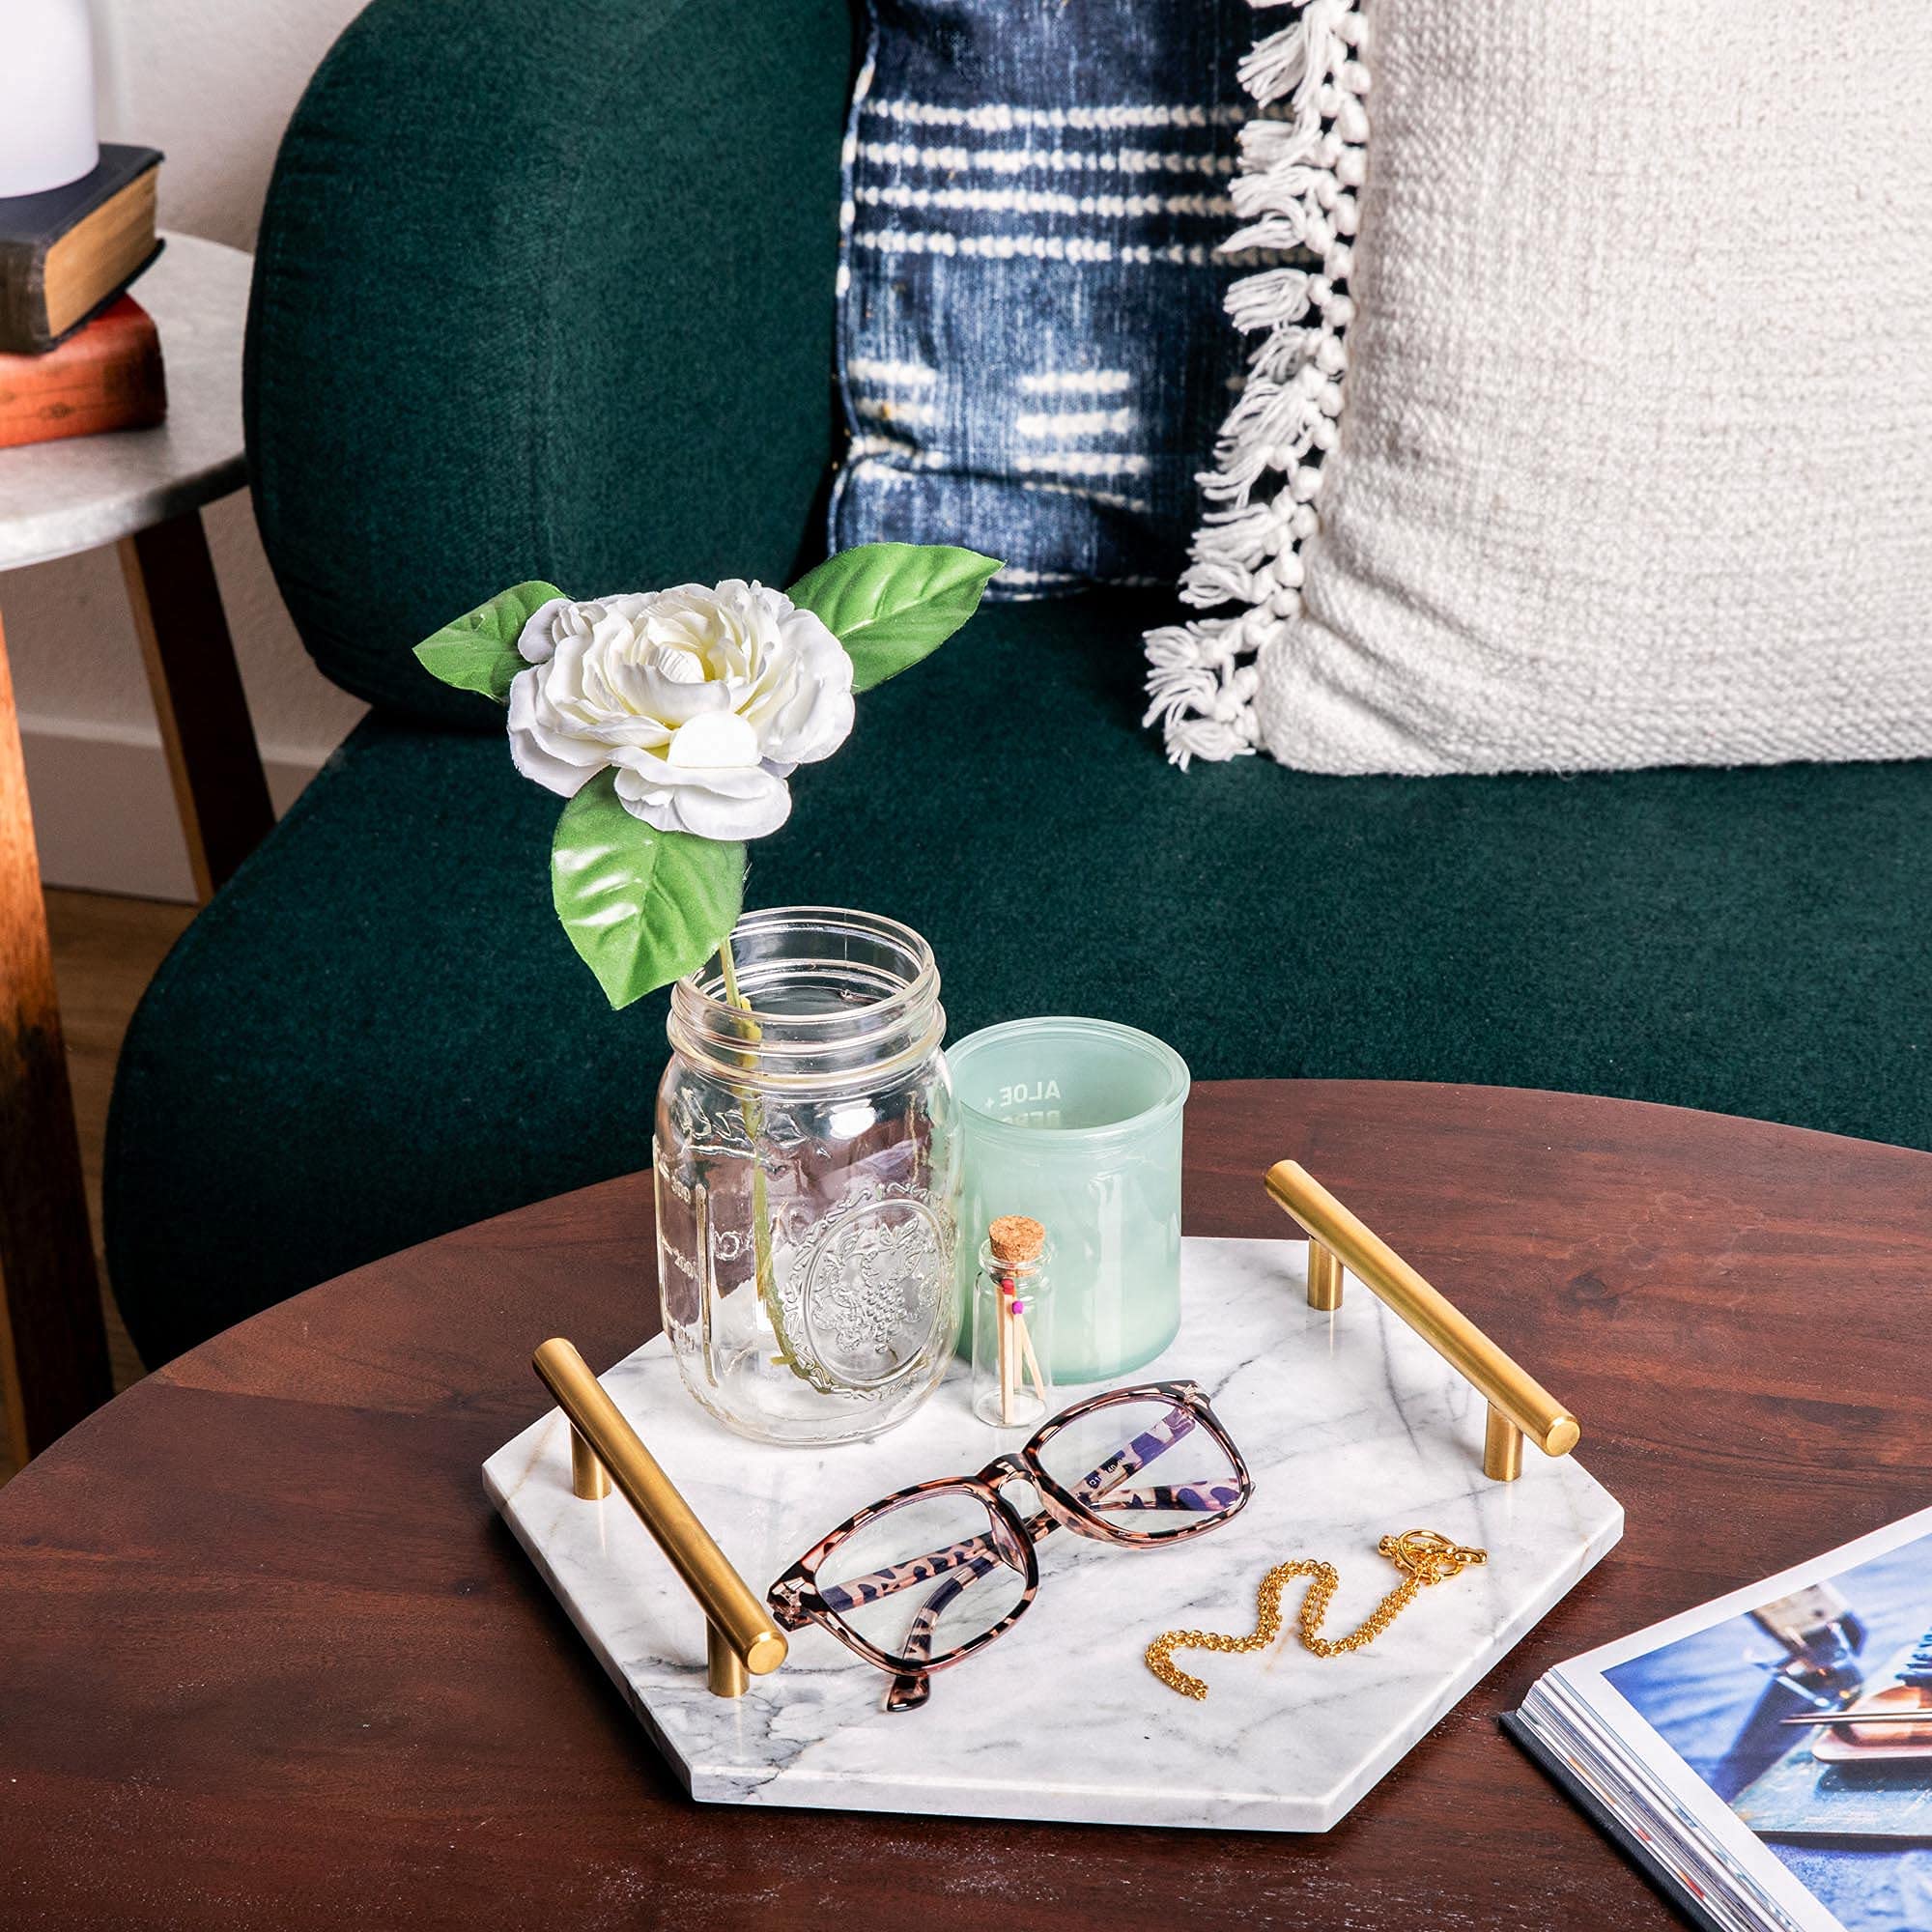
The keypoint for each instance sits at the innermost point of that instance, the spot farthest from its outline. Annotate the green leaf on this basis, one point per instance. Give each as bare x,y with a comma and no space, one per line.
891,603
642,907
479,652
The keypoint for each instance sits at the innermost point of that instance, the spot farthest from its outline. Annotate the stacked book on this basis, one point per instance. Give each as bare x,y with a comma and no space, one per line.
77,355
1767,1757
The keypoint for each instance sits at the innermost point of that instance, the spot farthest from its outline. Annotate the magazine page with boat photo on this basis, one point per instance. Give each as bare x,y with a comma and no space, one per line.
1767,1756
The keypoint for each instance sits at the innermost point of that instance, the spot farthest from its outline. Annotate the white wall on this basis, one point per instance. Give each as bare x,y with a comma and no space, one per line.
211,83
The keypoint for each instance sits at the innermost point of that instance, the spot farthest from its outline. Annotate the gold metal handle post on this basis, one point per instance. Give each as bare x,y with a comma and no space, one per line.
741,1637
1519,1405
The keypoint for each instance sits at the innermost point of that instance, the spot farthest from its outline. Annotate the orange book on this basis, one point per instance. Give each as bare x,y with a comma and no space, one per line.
106,375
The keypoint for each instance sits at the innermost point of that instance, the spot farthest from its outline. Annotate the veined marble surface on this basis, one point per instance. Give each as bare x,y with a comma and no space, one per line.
1352,1428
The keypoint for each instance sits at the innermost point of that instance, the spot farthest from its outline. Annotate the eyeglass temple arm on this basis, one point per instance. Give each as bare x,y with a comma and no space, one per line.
878,1584
1176,1496
740,1636
912,1687
1133,1457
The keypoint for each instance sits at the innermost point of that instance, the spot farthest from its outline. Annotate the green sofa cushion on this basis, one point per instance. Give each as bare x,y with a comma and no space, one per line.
378,1031
544,290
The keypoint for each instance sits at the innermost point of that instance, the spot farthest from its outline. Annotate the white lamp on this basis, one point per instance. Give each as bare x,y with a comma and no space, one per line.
48,134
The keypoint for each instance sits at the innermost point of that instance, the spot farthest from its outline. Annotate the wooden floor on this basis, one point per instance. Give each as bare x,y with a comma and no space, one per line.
105,952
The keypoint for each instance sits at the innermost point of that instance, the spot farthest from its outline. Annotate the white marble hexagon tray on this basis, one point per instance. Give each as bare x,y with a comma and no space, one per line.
1352,1428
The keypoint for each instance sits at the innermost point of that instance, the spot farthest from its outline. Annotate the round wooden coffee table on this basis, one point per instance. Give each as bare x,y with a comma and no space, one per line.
268,1658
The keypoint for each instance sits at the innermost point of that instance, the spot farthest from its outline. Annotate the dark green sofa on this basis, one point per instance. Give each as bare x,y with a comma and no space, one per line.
545,289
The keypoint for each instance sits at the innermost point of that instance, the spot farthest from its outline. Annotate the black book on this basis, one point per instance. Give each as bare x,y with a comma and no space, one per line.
67,253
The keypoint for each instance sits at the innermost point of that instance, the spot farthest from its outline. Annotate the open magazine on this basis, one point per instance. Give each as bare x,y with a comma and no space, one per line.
1768,1756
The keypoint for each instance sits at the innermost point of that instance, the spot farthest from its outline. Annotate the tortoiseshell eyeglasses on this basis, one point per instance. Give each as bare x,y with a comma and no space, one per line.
962,1535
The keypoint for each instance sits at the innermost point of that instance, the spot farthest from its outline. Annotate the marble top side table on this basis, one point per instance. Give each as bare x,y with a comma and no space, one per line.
143,490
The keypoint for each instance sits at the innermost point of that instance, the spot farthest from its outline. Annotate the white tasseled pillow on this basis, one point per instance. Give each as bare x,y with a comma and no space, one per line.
1600,435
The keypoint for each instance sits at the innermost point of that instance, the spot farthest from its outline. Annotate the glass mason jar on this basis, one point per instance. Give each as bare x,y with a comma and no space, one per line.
806,1176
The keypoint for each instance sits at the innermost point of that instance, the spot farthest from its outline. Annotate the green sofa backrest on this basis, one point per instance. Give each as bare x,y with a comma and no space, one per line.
544,289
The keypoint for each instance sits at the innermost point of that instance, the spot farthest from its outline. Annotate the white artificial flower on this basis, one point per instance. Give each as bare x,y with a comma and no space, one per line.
702,700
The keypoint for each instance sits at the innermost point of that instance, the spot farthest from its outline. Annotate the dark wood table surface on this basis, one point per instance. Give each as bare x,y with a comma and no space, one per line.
268,1658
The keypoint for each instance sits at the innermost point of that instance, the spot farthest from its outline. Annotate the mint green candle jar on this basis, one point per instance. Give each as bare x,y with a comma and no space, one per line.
1077,1124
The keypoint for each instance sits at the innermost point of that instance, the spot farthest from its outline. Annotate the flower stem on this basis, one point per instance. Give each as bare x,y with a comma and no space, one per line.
761,1215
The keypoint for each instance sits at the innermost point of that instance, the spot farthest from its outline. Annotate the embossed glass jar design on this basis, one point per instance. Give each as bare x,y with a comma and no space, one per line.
806,1178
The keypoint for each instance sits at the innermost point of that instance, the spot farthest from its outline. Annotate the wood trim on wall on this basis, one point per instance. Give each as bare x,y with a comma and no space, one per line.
105,807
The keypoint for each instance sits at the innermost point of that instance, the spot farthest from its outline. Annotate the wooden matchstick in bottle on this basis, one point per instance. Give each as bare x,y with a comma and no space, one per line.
1003,1317
1032,1359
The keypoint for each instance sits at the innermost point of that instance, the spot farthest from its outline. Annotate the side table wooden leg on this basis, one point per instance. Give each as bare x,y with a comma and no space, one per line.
53,1343
219,788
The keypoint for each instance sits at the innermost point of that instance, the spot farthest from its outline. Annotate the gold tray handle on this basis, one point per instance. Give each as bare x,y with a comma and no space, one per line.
740,1636
1519,1405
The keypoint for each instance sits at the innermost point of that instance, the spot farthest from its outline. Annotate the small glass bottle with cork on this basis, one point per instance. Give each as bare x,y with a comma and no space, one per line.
1013,1326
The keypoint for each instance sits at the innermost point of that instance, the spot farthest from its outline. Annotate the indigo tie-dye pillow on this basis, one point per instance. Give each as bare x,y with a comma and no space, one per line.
1033,351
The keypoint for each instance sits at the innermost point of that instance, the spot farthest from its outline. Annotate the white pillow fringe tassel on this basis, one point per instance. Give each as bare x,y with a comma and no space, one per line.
1295,190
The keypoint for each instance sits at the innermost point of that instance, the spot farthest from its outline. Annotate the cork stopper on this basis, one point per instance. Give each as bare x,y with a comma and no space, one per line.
1016,1239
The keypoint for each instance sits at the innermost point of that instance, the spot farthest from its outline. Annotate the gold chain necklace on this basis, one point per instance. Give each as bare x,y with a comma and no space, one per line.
1422,1556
